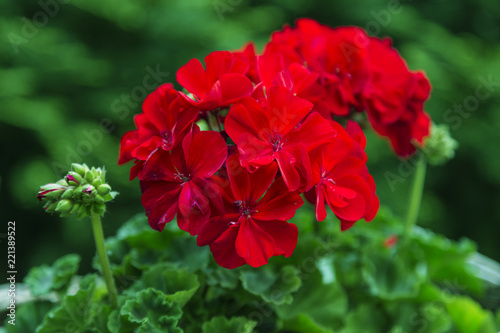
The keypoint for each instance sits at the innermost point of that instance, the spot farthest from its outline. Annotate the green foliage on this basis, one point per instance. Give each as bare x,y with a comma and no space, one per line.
45,279
153,312
77,313
176,285
337,282
223,325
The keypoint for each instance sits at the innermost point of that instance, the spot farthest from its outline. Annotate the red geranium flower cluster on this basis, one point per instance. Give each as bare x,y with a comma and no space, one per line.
272,138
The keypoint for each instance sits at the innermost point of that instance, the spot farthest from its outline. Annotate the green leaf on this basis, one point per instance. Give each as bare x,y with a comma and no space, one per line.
226,278
176,285
429,317
120,324
40,280
221,324
366,318
447,260
43,279
28,317
65,268
147,245
392,273
273,286
469,317
324,303
153,312
75,314
100,322
303,323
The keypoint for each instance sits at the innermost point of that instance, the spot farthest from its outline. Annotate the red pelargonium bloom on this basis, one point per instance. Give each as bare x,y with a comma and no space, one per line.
338,57
342,178
395,97
178,182
222,83
165,120
253,227
248,55
281,131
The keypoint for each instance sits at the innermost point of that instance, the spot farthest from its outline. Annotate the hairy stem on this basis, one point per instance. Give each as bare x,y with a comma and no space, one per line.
417,189
103,258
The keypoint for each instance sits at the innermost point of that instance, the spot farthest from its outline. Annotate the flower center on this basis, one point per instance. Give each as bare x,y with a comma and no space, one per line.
167,139
182,177
277,142
243,208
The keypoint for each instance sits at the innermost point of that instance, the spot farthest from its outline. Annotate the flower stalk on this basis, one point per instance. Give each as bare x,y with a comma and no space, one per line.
417,189
103,259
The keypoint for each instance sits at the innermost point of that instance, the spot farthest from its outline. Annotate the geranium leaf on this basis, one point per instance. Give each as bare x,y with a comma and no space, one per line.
152,312
43,279
392,273
75,314
28,317
236,324
273,286
176,285
324,303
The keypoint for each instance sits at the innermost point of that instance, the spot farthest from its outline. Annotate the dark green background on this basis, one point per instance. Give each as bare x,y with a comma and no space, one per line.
73,70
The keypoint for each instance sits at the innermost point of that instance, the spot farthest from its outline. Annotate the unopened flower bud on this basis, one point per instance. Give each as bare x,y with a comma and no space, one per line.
64,205
103,189
89,189
80,169
62,182
83,191
68,194
50,207
440,146
89,177
75,208
73,178
99,199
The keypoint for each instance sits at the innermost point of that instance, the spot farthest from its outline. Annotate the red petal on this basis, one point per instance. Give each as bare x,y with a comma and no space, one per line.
320,204
284,235
356,133
127,144
315,131
278,203
205,154
344,225
295,167
233,87
254,152
192,77
224,250
285,111
160,202
355,207
159,166
254,244
214,228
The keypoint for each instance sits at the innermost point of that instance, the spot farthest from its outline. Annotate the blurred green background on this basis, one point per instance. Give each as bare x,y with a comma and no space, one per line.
73,74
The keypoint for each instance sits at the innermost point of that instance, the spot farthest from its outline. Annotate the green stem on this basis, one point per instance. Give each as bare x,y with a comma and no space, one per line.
103,258
417,190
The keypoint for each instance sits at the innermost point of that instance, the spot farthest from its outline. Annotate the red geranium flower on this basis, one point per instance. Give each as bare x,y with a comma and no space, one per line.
395,97
164,121
248,55
179,181
342,179
222,83
278,131
253,227
337,56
